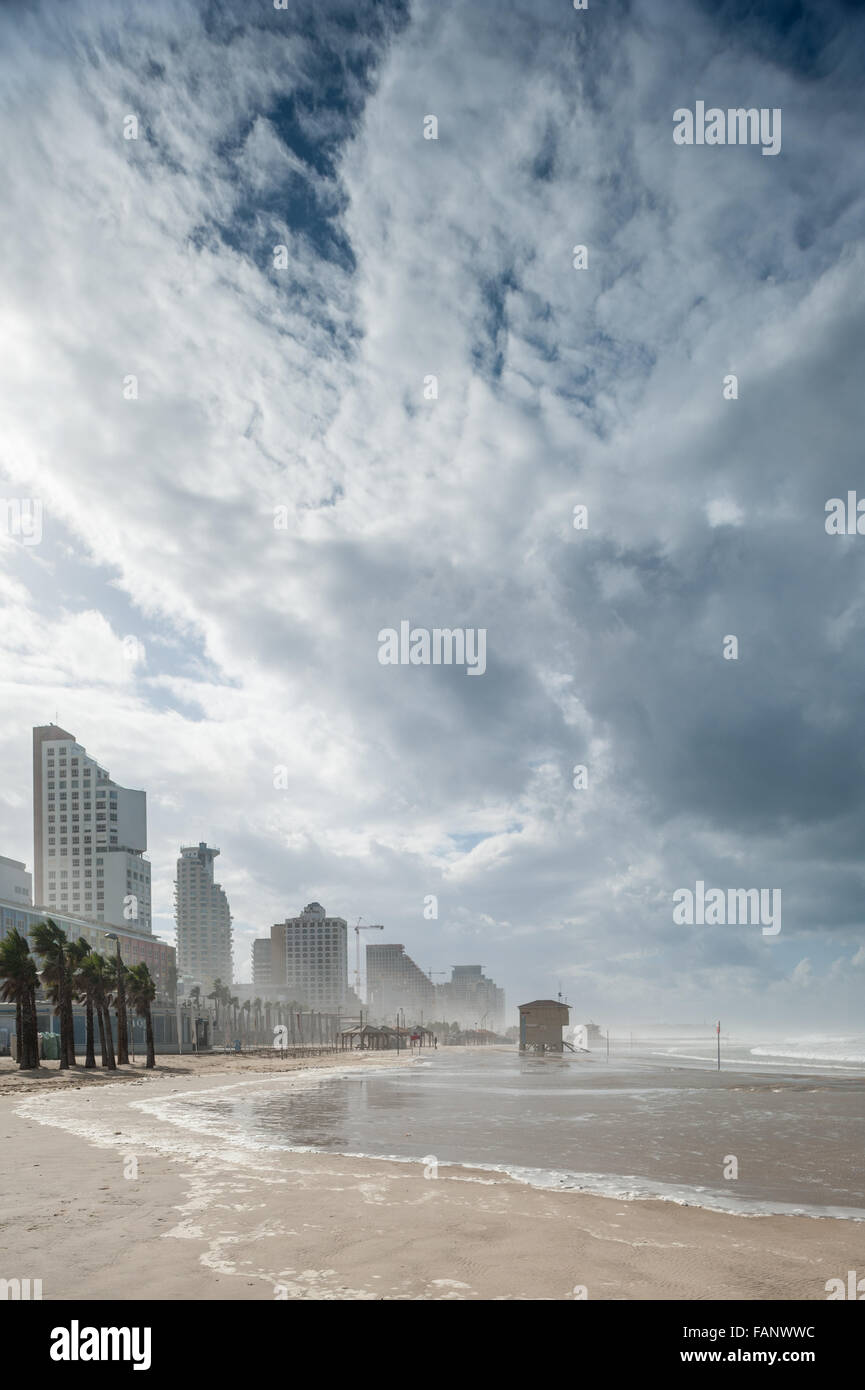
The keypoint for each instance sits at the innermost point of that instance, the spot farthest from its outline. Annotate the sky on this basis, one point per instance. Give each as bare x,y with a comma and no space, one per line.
230,665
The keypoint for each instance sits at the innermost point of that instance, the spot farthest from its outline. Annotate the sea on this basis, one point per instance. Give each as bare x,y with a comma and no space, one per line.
779,1129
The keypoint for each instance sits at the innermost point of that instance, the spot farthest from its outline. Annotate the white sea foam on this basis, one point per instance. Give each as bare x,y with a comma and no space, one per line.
846,1050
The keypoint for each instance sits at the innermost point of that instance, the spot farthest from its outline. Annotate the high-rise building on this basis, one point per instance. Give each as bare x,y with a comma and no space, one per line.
261,972
203,920
393,981
472,1000
309,954
89,836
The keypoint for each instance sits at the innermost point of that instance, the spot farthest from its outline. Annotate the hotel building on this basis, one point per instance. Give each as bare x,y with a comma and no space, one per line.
89,836
309,955
393,981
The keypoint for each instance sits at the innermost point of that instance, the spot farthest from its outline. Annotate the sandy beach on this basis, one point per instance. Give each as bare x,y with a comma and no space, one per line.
103,1197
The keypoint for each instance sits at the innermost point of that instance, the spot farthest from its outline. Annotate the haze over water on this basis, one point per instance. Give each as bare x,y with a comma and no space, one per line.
663,1124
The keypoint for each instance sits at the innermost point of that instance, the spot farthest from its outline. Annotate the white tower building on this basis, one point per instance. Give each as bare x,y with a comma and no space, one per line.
89,836
203,920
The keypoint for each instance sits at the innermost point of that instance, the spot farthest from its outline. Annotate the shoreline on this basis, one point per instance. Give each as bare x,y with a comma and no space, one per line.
50,1078
125,1202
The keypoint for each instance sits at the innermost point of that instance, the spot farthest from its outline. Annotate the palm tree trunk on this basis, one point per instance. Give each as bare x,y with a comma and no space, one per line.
31,1032
107,1040
61,1013
122,1040
70,1023
89,1059
151,1050
102,1048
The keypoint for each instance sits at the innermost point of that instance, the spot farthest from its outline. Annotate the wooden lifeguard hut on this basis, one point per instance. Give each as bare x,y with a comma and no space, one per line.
541,1024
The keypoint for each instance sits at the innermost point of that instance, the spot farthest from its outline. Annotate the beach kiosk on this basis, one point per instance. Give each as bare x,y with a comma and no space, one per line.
541,1024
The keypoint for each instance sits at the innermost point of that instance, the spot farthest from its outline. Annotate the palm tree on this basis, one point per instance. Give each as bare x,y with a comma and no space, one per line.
171,984
79,951
234,1005
142,992
216,994
118,972
267,1020
195,995
20,978
96,975
52,945
256,1004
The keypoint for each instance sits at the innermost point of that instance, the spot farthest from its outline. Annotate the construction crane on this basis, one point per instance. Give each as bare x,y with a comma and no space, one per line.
357,931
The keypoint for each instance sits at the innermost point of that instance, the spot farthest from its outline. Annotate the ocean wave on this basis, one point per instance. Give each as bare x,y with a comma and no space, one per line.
844,1050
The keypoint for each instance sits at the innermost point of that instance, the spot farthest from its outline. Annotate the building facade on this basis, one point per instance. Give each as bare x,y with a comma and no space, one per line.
203,920
262,976
470,999
89,836
16,884
309,955
393,982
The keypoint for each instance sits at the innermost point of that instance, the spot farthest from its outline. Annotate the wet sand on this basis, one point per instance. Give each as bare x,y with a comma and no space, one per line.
49,1077
102,1198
